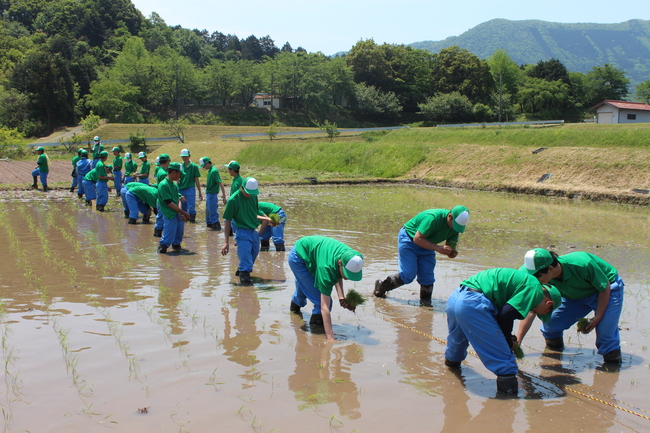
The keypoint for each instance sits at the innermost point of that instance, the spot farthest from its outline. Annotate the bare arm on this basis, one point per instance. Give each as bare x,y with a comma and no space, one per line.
603,302
226,243
265,224
524,326
184,215
327,317
421,241
223,193
198,187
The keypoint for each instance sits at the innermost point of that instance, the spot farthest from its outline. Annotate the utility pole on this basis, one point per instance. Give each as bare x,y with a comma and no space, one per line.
176,92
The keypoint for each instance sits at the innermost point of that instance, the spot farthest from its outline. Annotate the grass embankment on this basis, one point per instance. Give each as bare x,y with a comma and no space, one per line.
595,161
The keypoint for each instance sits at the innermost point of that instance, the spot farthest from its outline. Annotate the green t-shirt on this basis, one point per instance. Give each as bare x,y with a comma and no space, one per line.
130,167
160,173
100,168
508,286
117,163
75,160
191,172
214,180
583,274
237,182
145,169
147,194
92,175
42,163
168,190
321,255
433,225
243,210
269,208
97,149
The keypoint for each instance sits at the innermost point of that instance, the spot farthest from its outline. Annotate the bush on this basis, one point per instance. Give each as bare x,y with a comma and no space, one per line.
11,143
138,141
448,108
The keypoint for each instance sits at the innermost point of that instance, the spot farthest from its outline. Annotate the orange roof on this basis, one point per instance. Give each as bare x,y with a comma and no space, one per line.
623,105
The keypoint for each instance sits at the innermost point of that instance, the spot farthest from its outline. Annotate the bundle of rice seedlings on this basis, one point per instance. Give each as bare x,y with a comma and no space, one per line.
275,219
582,325
354,298
519,352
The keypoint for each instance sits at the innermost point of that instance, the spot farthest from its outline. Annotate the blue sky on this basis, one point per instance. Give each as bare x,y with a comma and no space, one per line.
336,25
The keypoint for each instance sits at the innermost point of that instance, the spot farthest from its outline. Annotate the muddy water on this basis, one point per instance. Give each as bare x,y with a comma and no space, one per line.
99,331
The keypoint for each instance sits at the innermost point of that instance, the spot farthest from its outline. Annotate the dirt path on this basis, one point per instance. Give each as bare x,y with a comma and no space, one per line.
20,172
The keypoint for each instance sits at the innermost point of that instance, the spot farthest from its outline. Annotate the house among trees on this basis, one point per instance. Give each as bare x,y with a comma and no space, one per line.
264,100
611,111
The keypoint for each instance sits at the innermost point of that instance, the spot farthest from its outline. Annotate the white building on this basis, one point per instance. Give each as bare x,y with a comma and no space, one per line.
264,100
611,111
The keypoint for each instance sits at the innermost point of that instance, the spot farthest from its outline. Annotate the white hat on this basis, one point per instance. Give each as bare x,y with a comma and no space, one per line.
127,155
142,155
185,152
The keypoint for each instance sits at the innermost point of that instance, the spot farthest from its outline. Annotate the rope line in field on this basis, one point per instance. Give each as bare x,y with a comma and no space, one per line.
563,387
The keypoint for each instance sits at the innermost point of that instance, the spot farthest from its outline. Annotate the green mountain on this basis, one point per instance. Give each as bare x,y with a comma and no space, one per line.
578,46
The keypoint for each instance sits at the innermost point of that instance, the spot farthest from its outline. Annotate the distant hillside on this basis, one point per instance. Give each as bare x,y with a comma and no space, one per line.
578,46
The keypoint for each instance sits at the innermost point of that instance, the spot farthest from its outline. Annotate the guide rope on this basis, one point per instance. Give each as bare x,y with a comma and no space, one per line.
530,375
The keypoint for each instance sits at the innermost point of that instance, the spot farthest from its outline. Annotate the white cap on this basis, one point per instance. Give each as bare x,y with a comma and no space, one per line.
185,152
141,155
127,155
355,264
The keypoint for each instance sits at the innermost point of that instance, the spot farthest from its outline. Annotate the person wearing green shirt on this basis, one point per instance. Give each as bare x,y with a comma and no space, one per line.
587,283
103,176
233,170
117,170
481,312
89,182
97,149
83,167
42,169
243,209
319,264
140,198
160,174
75,179
417,244
130,167
190,183
145,169
173,216
212,187
271,229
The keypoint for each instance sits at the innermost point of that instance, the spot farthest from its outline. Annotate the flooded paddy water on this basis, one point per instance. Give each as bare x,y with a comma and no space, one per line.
100,333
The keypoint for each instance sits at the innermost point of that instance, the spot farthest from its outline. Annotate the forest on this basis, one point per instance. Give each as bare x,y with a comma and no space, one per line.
63,60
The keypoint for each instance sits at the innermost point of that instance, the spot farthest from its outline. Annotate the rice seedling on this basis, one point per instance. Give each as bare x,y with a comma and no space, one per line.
275,219
582,325
355,298
519,352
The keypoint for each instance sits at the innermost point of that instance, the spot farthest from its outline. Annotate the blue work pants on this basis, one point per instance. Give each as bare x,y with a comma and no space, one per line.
471,319
305,284
173,231
211,208
248,247
414,261
189,205
277,233
571,310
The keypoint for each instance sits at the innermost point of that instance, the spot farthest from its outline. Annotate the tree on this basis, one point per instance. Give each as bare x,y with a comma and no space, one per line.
448,108
177,129
605,82
549,70
503,68
458,70
369,101
542,99
643,91
329,128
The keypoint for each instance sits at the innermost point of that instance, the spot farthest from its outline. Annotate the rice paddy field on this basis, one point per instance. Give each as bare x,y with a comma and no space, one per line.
99,333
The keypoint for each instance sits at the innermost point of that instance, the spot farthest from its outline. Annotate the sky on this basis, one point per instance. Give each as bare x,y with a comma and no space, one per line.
336,25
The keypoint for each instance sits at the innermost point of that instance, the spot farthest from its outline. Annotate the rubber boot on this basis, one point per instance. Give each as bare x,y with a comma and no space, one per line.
613,357
126,214
217,226
35,184
390,283
193,218
264,245
100,208
507,384
146,219
89,203
556,344
162,249
316,320
72,189
176,247
452,364
425,295
133,221
279,247
245,278
80,196
157,233
45,189
295,308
